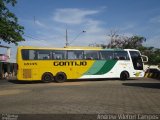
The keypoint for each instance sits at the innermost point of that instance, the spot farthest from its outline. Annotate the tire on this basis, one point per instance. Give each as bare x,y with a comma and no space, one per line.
60,77
1,76
47,77
124,75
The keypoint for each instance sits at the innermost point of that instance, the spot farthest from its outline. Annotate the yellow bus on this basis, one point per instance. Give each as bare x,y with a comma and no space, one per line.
60,64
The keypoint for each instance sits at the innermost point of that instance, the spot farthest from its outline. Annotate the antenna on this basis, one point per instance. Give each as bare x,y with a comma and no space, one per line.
67,38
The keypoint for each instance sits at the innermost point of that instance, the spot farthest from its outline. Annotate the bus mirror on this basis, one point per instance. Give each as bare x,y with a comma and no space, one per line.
144,58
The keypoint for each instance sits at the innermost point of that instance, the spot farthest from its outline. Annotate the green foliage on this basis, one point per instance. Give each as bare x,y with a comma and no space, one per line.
133,42
153,55
10,30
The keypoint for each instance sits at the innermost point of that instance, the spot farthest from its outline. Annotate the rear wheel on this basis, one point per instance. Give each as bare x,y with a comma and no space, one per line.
60,77
47,77
124,75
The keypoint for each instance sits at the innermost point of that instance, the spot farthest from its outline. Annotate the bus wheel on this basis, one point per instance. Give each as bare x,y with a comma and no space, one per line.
124,75
1,76
60,77
47,77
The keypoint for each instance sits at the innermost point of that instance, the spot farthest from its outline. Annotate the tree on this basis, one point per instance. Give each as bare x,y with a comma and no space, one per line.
10,30
133,42
121,41
153,55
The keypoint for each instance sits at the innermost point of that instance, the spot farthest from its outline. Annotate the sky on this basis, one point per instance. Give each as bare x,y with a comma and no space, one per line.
46,21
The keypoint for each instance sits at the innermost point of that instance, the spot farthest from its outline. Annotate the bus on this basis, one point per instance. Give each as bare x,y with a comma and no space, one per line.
61,64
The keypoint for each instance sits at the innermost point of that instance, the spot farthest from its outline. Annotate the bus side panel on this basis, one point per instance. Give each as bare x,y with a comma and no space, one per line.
33,70
74,69
101,69
116,70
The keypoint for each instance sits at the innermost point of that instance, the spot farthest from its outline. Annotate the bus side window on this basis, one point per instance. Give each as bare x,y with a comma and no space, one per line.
121,55
43,55
59,55
91,55
28,54
106,55
122,58
25,54
116,58
75,54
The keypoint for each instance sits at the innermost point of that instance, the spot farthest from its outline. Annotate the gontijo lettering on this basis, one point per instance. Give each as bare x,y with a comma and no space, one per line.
70,63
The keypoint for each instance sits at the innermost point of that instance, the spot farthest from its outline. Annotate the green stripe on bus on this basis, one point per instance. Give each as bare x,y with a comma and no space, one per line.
106,67
101,67
95,67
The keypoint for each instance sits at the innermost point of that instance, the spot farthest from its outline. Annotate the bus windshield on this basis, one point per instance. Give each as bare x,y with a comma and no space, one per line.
136,59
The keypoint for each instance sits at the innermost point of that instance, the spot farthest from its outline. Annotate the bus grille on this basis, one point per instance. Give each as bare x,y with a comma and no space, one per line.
27,73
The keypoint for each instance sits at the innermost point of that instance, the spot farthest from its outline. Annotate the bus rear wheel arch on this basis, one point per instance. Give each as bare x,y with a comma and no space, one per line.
60,77
124,75
47,77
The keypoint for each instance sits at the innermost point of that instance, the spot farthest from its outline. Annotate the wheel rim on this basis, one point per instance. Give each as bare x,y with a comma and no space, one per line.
47,78
60,77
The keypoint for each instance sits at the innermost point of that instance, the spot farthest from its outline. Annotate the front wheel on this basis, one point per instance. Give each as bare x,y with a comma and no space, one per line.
1,76
60,77
124,75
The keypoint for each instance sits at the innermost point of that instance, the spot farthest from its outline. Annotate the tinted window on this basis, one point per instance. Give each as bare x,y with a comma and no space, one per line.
91,55
43,54
121,55
106,55
75,55
136,59
59,55
28,54
36,54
